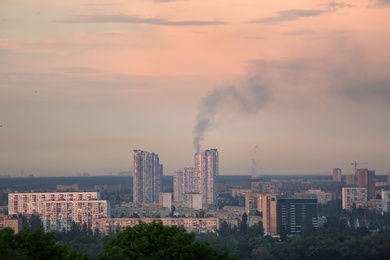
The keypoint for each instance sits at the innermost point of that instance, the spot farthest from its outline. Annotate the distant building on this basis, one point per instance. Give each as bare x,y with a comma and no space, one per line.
240,192
352,195
184,181
74,187
323,197
350,180
293,213
296,213
385,201
264,187
253,202
337,175
58,210
108,187
147,177
197,225
388,177
193,201
207,171
7,221
166,199
269,214
366,179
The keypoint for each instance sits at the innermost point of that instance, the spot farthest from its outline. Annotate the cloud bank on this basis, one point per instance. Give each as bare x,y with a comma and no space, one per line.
134,19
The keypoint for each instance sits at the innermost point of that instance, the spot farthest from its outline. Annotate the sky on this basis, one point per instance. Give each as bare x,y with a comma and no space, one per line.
278,87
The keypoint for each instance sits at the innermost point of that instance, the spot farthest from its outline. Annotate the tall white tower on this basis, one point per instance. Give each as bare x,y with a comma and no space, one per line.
147,177
207,171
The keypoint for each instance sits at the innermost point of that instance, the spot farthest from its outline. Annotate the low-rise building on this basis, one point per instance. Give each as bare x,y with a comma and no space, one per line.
351,196
197,225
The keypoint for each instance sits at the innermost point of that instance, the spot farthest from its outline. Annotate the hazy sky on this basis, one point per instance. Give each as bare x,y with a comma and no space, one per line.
278,87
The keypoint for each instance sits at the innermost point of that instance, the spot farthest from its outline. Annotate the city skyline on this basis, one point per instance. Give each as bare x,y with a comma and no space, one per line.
297,87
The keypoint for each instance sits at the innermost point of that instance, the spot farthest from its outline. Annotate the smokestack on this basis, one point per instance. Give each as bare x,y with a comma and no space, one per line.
248,99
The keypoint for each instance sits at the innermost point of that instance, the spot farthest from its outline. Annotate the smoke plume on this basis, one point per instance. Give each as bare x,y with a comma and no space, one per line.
254,162
248,99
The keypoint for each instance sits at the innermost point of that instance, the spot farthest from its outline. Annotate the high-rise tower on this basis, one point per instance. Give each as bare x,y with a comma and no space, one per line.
184,181
366,179
337,174
147,177
207,170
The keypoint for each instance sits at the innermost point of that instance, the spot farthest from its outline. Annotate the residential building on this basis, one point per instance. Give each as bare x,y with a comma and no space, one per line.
58,210
253,202
350,180
197,225
166,199
8,221
269,214
323,197
207,170
192,200
385,201
366,179
337,175
147,177
351,196
74,187
184,181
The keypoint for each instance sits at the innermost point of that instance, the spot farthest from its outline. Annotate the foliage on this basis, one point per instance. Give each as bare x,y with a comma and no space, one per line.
34,245
156,241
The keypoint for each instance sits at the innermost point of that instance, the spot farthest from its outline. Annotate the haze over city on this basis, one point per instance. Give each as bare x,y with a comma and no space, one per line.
278,87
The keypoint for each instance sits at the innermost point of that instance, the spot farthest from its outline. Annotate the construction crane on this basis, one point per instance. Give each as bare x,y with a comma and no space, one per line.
356,163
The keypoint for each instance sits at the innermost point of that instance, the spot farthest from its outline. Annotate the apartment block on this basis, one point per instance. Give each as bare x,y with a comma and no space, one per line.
366,179
207,171
147,177
197,225
193,201
58,210
352,195
336,175
184,181
385,201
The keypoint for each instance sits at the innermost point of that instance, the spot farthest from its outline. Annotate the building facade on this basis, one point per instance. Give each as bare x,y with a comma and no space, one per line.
269,214
58,210
350,180
366,179
351,196
253,202
192,200
385,201
166,199
147,177
197,225
207,171
297,214
184,181
336,175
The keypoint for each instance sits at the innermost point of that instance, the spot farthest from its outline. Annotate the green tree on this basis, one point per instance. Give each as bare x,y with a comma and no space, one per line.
244,223
156,241
224,229
34,222
34,245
